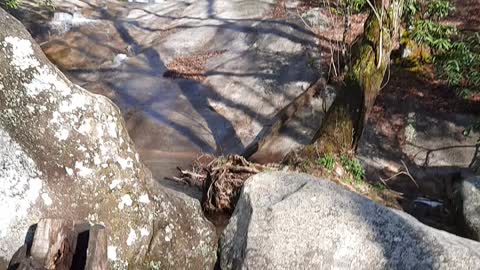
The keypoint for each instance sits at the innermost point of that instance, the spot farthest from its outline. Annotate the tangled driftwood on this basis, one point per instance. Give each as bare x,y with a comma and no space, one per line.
221,180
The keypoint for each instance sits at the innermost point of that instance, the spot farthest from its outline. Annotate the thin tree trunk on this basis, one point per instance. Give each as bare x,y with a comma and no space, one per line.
344,122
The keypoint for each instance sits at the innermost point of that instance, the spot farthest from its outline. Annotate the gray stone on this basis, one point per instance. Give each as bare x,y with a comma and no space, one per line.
467,194
296,221
65,153
438,140
316,17
432,145
261,66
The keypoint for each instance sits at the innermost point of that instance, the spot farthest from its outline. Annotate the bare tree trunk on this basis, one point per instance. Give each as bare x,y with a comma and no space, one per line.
344,122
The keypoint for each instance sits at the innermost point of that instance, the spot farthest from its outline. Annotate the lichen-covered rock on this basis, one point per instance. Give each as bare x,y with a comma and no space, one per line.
414,54
296,221
467,195
66,153
317,17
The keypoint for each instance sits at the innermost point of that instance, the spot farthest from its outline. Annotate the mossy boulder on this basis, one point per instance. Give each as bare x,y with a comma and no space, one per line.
412,53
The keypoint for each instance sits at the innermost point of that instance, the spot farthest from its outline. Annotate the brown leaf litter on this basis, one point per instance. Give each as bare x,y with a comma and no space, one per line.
190,67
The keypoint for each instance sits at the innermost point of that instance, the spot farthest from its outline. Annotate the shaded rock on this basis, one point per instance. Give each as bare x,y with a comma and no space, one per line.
66,153
432,146
316,17
426,140
438,140
295,221
467,195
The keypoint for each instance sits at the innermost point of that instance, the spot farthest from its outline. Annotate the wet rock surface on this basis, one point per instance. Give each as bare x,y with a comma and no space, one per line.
66,153
296,221
204,76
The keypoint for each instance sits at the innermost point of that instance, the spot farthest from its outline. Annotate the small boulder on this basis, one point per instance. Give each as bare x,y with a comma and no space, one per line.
296,221
317,18
467,198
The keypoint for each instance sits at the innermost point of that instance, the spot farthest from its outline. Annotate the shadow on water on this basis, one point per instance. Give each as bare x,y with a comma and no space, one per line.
165,101
193,91
218,125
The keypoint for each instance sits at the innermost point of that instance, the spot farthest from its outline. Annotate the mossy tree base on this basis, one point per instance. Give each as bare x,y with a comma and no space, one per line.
344,122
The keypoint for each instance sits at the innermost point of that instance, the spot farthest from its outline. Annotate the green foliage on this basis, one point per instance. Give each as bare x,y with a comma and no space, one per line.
439,8
327,161
10,4
347,7
353,167
460,65
456,55
434,35
355,5
378,187
15,4
410,9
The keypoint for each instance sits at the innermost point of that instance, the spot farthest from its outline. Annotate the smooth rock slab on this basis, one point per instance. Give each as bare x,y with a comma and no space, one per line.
258,65
296,221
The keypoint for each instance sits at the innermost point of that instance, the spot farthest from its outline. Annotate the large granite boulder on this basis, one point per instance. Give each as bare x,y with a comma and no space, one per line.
295,221
467,198
65,152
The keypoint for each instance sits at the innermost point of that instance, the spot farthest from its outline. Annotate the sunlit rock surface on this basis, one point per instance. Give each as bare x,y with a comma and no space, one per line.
295,221
203,75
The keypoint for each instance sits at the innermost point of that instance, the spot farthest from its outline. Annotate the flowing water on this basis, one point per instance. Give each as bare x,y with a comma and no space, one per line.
192,77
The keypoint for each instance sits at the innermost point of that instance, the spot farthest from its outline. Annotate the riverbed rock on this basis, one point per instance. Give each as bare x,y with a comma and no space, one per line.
205,75
65,152
467,195
296,221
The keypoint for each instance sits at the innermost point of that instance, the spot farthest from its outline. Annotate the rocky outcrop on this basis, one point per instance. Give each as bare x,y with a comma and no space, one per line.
295,221
467,198
65,153
205,75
